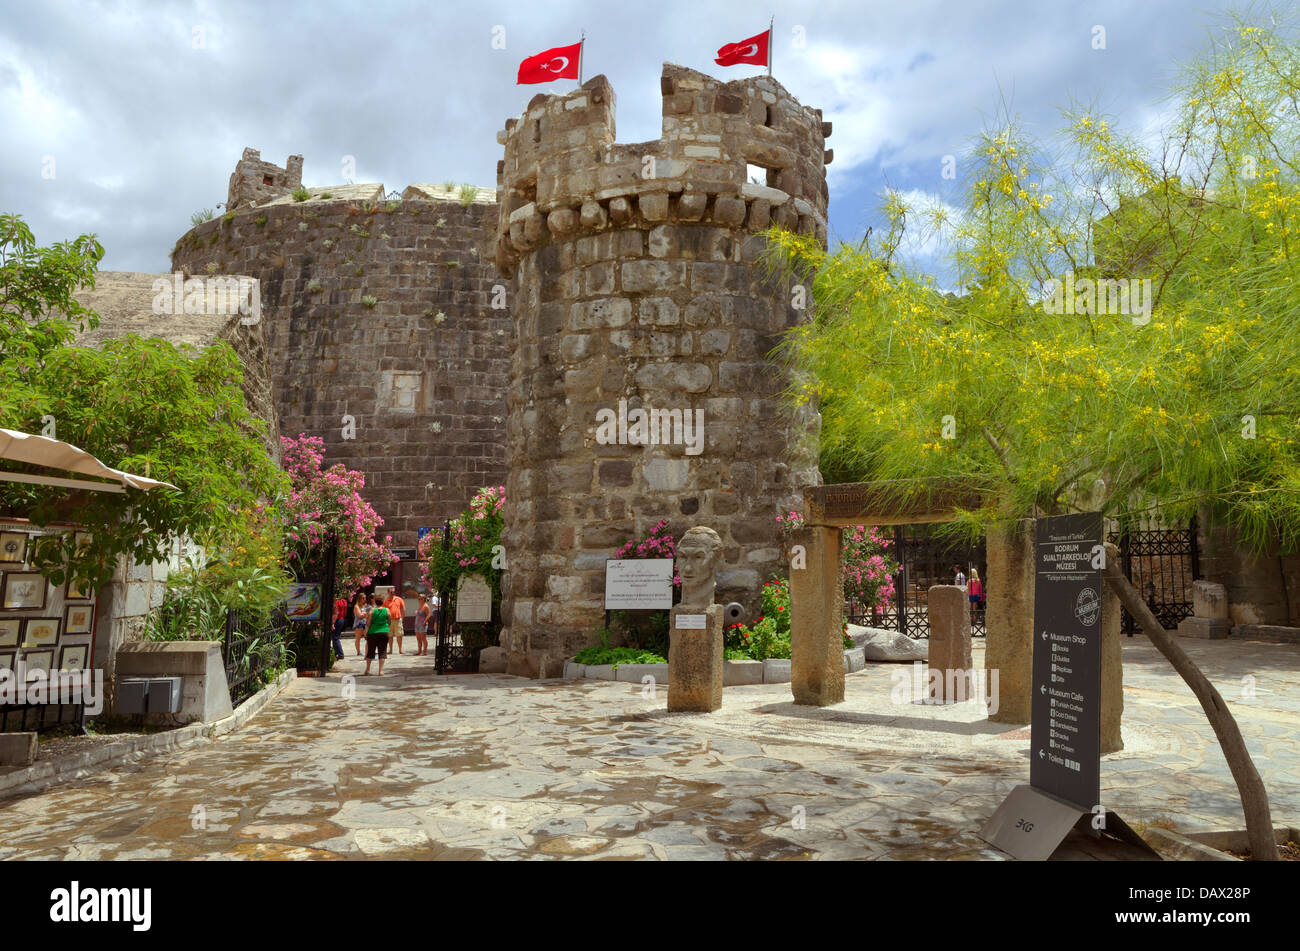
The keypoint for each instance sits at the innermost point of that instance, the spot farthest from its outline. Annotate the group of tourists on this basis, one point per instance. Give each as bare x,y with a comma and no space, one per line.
379,620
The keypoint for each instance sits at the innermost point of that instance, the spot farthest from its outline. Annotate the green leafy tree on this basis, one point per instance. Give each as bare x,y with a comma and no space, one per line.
144,406
1181,393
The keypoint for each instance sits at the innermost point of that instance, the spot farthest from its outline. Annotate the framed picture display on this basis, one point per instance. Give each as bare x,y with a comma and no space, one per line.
7,661
76,592
41,632
81,541
76,618
49,544
9,629
23,591
73,658
13,548
38,660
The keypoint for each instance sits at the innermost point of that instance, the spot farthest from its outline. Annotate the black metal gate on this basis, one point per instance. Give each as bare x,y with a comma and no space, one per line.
1161,561
924,559
457,646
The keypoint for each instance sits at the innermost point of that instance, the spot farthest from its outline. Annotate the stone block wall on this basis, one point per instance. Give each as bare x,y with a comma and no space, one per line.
1261,587
635,283
382,312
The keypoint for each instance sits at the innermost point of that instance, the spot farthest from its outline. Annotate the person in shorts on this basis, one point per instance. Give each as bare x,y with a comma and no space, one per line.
361,610
377,637
422,615
976,592
396,611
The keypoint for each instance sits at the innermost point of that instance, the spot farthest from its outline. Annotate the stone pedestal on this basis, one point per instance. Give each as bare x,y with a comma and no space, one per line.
950,659
1211,628
205,696
695,661
1209,600
1009,645
817,619
1112,671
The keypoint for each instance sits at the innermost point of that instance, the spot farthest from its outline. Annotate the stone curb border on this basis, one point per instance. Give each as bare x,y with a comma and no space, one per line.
735,673
40,776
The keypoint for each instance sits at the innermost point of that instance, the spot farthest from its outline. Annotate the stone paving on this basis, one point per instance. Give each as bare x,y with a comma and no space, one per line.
489,766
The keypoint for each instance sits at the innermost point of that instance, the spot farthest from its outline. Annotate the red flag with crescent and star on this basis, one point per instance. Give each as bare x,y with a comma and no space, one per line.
559,63
753,50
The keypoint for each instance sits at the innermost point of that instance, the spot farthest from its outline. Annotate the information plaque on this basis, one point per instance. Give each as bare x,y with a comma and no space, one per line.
638,584
473,599
1065,733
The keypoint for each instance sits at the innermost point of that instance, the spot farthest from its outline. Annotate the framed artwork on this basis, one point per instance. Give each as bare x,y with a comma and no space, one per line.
77,592
7,661
24,590
41,632
9,628
73,658
47,543
303,602
76,619
81,541
37,660
13,547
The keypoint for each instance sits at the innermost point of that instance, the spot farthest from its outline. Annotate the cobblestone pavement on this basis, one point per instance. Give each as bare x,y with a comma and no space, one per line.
484,766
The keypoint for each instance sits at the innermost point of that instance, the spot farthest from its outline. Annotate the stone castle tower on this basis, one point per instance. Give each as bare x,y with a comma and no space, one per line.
634,276
379,326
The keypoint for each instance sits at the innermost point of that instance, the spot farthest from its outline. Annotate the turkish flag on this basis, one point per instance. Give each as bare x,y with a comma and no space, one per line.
752,50
559,63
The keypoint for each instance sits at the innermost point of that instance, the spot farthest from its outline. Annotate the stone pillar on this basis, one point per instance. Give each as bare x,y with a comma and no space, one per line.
950,660
1112,671
817,618
1009,644
1209,610
695,661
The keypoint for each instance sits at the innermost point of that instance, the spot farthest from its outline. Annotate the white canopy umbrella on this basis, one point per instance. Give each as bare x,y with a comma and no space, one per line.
53,454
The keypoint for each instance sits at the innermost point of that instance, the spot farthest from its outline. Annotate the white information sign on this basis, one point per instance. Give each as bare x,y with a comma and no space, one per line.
473,599
638,583
692,622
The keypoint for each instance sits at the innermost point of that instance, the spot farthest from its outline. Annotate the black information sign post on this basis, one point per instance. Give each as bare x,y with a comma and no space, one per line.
1064,790
1065,746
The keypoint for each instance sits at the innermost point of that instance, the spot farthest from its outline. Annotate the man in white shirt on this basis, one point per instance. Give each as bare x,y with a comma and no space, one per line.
961,577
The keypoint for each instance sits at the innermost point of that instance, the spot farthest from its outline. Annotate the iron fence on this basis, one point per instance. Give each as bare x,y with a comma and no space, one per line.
1160,560
925,558
250,650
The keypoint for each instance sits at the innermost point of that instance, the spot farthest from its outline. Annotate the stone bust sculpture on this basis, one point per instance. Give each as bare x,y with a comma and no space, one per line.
698,554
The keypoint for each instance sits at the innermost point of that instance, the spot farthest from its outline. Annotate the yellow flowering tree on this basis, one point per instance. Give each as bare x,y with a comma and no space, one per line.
1119,329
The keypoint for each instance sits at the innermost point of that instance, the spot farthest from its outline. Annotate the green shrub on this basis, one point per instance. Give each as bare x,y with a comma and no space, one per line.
199,217
369,301
300,194
467,194
260,220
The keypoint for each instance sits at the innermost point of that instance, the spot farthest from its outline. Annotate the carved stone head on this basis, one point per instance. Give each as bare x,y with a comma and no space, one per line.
698,555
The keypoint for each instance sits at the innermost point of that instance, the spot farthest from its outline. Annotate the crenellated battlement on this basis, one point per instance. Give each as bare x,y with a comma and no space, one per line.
564,174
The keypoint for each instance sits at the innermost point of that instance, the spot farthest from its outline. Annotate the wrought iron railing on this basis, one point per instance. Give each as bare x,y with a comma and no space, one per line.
249,651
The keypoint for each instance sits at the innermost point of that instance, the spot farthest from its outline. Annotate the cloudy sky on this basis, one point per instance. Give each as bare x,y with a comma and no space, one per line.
124,118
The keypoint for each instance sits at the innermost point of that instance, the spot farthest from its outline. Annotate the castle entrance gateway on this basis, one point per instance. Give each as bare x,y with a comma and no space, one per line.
816,591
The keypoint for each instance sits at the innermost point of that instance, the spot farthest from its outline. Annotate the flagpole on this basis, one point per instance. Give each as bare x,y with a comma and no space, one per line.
770,50
582,45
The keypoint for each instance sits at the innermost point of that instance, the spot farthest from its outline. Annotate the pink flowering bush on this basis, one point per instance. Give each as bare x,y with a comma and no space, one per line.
474,547
325,500
658,544
868,566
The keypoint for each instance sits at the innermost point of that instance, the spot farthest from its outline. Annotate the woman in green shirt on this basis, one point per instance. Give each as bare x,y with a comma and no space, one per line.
377,637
